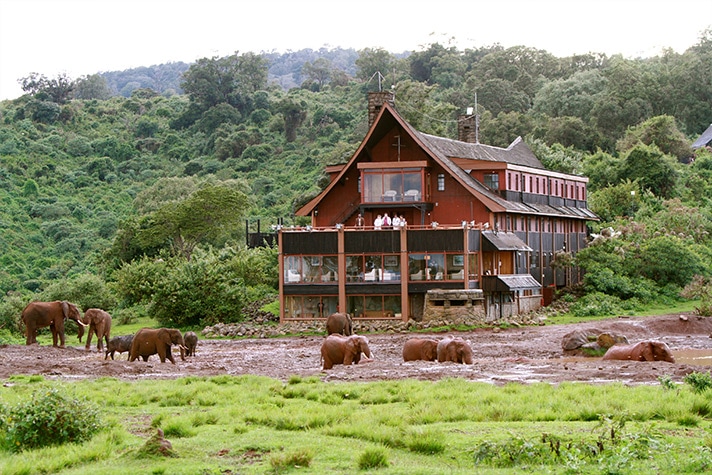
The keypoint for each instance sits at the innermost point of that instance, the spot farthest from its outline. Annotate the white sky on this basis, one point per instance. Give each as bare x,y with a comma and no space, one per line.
80,37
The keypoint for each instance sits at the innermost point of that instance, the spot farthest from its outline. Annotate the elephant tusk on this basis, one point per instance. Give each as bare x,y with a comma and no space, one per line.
82,323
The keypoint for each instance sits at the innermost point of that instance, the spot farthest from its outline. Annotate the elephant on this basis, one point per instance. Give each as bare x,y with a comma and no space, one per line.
454,349
52,314
420,349
339,323
337,349
118,344
647,350
99,322
151,341
191,342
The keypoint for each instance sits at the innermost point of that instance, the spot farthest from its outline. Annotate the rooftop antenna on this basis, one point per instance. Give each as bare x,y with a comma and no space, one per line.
380,80
477,122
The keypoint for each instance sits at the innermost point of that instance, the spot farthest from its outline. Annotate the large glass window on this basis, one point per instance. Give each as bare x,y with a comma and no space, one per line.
374,306
426,266
373,268
310,269
310,306
383,185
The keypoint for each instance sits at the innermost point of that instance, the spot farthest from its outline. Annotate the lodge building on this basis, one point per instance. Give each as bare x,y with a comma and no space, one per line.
481,220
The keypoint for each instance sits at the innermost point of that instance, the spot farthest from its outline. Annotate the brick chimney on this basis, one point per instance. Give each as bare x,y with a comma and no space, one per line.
375,103
467,128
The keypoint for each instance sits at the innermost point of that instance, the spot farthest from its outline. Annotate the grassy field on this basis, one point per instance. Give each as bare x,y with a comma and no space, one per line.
253,425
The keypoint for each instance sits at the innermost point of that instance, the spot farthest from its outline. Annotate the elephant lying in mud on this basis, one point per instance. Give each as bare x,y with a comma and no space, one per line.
338,349
641,351
454,349
420,349
151,341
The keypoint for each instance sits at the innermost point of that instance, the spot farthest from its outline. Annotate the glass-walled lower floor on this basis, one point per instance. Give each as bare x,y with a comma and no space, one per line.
359,306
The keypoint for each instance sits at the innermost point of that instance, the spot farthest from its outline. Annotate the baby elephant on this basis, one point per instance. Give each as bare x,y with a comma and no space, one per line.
191,342
454,349
641,351
118,344
420,349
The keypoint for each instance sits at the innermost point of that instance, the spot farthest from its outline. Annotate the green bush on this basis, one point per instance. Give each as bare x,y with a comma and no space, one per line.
373,458
700,382
85,290
48,418
596,304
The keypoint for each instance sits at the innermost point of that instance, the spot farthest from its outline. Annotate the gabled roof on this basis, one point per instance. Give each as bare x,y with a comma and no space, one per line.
704,139
443,150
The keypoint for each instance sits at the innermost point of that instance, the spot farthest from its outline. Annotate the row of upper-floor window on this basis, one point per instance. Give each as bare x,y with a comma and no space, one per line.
538,185
411,184
516,223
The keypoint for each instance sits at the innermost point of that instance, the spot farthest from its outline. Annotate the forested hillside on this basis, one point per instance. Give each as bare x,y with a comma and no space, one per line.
137,204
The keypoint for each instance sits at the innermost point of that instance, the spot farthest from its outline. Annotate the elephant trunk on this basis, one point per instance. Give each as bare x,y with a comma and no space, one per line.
80,327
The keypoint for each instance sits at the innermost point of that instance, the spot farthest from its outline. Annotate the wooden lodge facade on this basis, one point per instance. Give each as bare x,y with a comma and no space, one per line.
478,217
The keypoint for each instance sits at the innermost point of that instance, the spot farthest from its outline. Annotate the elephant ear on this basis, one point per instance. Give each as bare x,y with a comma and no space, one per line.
65,308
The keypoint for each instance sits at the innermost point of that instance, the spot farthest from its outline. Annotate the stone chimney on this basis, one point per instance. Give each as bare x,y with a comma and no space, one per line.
467,128
375,103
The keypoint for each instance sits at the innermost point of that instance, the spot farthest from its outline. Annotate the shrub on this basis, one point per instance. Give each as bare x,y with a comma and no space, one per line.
49,418
373,458
85,290
596,304
295,459
700,382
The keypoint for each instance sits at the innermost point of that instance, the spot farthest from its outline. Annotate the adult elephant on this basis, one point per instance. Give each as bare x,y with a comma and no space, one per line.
337,349
648,350
340,323
454,349
99,322
50,314
420,349
151,341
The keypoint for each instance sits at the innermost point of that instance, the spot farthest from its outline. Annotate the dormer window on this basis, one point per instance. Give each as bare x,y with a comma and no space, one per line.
492,180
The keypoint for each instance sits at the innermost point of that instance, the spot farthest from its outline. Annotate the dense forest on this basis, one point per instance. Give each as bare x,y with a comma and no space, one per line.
130,190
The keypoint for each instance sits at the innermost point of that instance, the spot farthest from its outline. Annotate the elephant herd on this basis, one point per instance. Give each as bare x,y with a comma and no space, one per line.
341,346
146,342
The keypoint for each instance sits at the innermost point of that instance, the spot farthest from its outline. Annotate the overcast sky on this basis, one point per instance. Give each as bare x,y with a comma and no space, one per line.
81,37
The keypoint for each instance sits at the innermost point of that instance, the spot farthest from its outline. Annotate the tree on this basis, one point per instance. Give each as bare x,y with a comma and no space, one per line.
294,112
373,60
213,81
654,170
58,90
208,214
93,86
661,131
317,72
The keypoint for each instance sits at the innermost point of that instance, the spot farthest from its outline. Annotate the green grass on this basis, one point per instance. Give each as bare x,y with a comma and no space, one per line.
251,425
686,306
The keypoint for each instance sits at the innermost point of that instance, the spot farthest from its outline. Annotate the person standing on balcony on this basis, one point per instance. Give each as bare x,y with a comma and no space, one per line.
386,221
360,222
378,222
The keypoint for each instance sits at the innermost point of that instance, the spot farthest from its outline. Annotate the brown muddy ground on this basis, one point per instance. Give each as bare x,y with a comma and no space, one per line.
526,354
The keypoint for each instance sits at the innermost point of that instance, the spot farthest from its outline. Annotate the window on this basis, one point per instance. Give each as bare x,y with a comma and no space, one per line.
380,185
374,306
310,306
310,269
492,180
441,182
